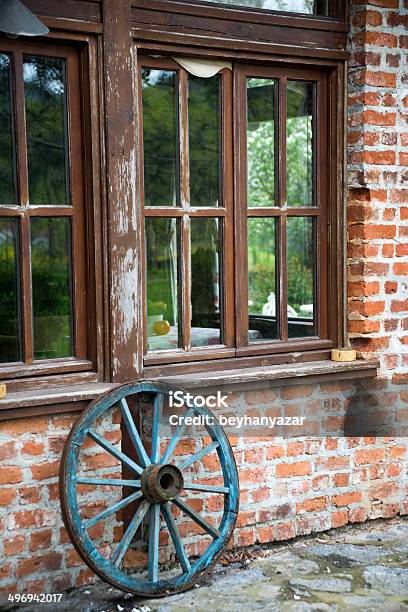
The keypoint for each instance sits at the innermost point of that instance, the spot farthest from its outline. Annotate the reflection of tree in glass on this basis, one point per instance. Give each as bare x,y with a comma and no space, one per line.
7,160
9,343
299,153
261,262
51,280
44,87
161,260
159,136
261,95
300,251
205,244
204,140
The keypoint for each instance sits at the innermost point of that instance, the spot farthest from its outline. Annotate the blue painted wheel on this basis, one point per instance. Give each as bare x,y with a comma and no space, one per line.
180,495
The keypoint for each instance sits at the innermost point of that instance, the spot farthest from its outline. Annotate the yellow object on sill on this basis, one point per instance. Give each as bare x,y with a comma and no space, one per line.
343,355
3,391
161,328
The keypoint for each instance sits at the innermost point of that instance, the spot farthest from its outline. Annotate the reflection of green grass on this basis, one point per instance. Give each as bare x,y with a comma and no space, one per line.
159,290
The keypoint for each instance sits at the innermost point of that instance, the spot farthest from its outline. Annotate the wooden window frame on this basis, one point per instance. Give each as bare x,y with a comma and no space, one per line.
328,215
87,365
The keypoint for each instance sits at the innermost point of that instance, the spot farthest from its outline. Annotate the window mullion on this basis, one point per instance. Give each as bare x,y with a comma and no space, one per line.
282,201
22,174
184,182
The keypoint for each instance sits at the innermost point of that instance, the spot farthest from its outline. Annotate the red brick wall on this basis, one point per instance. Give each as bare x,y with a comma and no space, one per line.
288,487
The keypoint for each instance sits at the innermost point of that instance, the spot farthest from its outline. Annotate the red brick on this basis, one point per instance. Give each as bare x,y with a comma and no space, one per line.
274,452
367,308
22,426
14,546
372,455
357,515
299,468
48,562
265,534
363,327
285,531
391,287
10,474
339,519
372,117
43,471
346,499
40,539
312,505
7,496
32,448
7,450
380,492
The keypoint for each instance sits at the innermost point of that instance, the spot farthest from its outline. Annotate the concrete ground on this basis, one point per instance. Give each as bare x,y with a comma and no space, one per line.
360,567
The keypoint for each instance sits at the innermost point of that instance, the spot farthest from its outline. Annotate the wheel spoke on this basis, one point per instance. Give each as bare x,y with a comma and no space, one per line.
115,452
206,488
112,509
123,545
154,529
175,536
116,482
167,455
133,433
198,455
157,412
197,518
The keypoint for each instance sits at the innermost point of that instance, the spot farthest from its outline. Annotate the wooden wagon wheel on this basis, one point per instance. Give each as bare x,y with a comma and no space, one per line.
160,486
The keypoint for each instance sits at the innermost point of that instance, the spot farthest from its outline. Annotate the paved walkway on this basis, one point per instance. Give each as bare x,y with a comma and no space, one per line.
362,567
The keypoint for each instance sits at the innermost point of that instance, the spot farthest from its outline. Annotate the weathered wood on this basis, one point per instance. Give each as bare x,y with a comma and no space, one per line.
123,221
297,373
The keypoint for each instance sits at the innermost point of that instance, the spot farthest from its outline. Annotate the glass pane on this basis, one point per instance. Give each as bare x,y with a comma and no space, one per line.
299,143
162,283
7,154
204,124
206,268
301,262
47,144
51,278
309,7
9,294
262,280
159,101
261,105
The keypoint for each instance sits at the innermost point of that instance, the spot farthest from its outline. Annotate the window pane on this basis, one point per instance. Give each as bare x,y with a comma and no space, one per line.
299,143
261,105
204,124
301,262
162,240
206,267
159,101
51,279
7,154
45,105
9,312
309,7
262,280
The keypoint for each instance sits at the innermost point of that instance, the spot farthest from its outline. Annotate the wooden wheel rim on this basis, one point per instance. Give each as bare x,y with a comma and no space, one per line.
106,568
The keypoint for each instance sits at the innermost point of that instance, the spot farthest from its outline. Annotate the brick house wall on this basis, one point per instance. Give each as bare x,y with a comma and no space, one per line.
288,487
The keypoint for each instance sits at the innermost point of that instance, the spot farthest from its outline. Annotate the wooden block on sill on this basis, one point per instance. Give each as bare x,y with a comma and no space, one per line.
343,355
3,391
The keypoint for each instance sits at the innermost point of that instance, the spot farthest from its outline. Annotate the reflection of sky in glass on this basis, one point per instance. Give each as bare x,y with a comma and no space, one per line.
30,73
289,6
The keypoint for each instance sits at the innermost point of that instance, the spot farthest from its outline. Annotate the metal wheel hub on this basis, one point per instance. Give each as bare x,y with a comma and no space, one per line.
161,483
